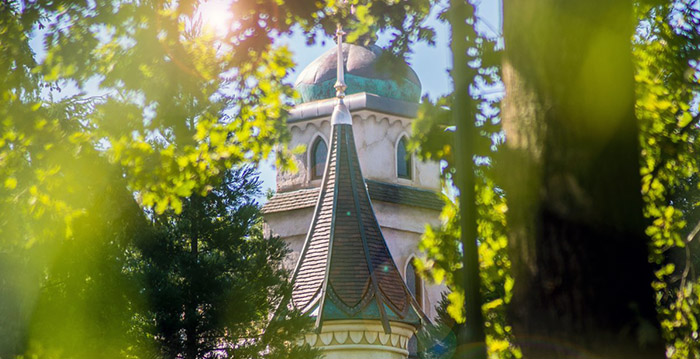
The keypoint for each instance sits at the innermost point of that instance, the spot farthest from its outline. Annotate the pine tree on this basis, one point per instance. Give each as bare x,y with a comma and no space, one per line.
211,278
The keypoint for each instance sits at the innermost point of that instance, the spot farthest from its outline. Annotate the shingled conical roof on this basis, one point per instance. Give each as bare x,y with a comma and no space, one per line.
345,270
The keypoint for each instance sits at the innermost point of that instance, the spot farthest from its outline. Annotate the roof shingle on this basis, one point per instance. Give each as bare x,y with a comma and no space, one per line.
345,267
378,191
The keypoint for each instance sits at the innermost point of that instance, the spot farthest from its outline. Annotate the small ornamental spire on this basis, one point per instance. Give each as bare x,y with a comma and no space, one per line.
340,83
341,115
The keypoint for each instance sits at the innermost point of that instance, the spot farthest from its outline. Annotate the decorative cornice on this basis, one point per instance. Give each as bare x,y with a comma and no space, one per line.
316,123
360,335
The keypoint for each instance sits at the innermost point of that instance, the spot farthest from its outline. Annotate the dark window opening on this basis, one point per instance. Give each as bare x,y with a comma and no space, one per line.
414,283
415,286
319,151
403,160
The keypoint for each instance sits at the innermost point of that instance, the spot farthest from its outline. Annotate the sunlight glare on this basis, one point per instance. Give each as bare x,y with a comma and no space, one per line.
216,16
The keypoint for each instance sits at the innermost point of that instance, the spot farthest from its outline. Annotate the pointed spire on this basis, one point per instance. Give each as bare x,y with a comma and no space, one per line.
341,114
345,270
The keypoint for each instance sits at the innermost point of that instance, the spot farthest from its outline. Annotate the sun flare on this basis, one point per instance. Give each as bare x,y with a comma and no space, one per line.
216,16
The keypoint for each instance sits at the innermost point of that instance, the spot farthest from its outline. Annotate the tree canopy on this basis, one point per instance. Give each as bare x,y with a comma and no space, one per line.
113,113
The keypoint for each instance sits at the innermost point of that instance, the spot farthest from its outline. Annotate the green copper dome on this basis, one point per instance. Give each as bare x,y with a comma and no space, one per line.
316,81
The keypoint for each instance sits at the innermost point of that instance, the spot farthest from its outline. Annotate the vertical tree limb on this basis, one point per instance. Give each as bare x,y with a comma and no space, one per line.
471,339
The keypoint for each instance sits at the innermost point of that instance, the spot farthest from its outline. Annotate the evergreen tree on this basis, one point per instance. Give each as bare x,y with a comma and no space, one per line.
212,280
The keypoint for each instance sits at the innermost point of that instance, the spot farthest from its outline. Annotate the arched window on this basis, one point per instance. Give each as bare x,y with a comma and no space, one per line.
403,160
414,283
319,151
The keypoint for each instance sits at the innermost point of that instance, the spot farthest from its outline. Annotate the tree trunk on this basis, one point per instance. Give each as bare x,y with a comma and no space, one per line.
471,340
576,230
191,311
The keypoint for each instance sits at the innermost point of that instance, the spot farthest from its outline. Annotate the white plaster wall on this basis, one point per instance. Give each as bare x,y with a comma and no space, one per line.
296,244
289,223
292,226
376,136
403,217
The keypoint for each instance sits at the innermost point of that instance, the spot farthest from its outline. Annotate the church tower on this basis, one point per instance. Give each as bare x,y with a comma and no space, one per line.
350,192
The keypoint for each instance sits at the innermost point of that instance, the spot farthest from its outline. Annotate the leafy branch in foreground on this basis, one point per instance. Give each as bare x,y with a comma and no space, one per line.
666,50
102,100
434,140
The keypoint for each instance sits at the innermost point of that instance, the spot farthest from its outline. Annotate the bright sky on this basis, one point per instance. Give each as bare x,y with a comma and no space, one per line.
430,62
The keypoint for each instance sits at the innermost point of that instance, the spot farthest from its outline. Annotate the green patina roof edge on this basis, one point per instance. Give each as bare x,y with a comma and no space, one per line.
369,312
404,90
355,102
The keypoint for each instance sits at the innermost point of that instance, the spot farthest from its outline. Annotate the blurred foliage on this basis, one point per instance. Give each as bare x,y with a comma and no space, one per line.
666,54
666,51
439,339
141,291
442,265
76,301
178,104
433,139
115,113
